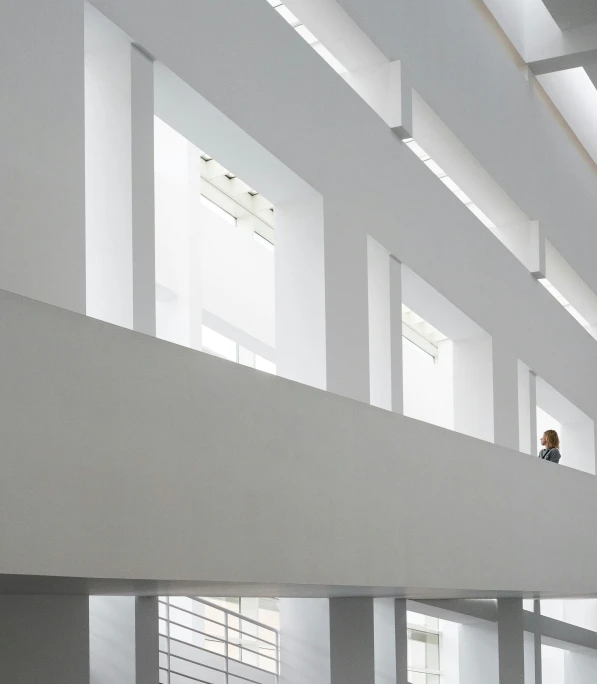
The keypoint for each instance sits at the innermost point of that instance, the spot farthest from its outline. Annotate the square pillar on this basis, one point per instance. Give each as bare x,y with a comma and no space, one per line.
143,189
352,650
390,641
44,639
396,335
510,641
346,305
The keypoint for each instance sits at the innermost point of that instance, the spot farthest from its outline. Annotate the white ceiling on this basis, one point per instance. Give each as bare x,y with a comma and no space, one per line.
572,13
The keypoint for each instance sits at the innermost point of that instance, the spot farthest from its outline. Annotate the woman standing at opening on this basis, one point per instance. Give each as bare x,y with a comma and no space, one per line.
551,446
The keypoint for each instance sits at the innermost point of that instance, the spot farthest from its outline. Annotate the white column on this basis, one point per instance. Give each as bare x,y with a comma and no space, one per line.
346,305
352,651
533,412
380,327
390,641
300,292
108,174
143,191
511,641
537,642
305,641
44,639
123,640
42,152
505,395
147,640
473,387
396,335
177,197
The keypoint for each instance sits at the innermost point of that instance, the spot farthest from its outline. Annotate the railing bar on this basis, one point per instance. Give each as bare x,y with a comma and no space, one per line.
223,610
197,631
257,638
198,615
210,667
231,612
203,681
199,648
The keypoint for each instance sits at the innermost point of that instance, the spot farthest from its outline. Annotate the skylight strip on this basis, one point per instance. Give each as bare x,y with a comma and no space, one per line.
559,297
448,182
307,36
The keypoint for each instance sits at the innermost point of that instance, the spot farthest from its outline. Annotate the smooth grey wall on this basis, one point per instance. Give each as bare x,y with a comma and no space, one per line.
44,639
146,460
42,151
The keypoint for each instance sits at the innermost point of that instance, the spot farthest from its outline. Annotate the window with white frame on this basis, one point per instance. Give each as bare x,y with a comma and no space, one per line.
423,649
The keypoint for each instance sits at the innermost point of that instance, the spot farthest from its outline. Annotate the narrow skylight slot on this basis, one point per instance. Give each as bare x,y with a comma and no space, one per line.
559,297
485,220
437,170
306,35
451,185
222,213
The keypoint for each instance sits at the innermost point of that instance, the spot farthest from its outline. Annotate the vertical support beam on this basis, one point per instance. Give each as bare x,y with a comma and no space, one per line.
305,645
380,332
390,641
346,305
147,640
143,190
300,292
537,643
400,101
401,634
108,174
537,260
505,395
352,651
533,411
42,152
396,335
112,639
510,641
44,639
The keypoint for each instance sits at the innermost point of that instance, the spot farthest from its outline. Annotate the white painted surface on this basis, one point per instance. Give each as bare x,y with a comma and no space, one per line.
108,171
42,152
165,410
429,384
380,324
552,665
473,388
478,644
305,648
112,639
143,191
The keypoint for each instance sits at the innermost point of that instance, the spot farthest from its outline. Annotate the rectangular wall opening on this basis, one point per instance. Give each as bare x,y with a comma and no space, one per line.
575,429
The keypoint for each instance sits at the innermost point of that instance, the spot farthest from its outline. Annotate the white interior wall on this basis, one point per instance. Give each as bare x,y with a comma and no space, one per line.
238,277
42,152
429,384
576,430
473,387
449,652
580,667
204,262
478,646
112,639
380,324
174,190
108,171
553,665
